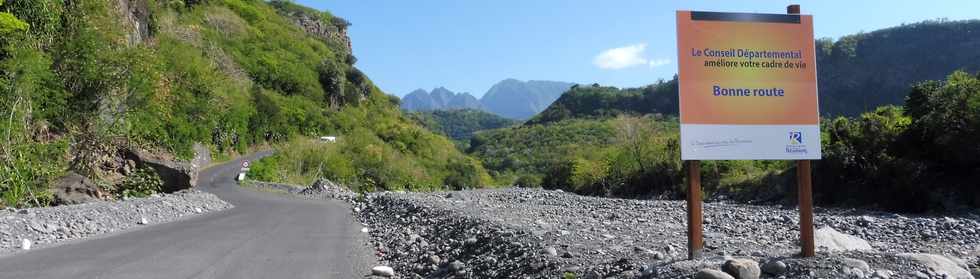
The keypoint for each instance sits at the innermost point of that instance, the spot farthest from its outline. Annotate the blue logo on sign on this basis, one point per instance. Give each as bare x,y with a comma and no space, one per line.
796,137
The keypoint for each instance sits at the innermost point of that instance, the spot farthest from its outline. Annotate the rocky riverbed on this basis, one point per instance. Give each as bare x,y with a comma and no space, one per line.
528,233
34,228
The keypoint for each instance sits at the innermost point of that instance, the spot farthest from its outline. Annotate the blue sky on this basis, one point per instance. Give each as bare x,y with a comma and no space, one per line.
467,46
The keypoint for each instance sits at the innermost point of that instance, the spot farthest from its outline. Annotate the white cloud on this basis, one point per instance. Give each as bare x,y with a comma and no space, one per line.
658,62
625,57
621,57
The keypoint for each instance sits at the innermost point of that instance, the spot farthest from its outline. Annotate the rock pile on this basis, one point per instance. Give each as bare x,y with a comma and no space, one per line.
40,227
320,189
530,233
429,241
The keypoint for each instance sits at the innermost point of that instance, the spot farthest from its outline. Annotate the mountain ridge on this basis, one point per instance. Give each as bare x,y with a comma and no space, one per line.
509,98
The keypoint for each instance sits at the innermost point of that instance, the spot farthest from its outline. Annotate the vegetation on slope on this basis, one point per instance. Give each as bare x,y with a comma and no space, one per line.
919,157
460,125
860,72
227,73
626,156
365,163
603,102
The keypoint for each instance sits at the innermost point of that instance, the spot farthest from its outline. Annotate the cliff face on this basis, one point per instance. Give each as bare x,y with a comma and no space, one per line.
135,14
331,32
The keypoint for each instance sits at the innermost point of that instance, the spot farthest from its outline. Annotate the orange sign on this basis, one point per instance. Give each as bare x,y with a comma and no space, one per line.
738,70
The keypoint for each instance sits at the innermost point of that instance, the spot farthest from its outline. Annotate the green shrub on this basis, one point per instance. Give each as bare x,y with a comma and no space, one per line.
141,183
265,169
10,24
27,170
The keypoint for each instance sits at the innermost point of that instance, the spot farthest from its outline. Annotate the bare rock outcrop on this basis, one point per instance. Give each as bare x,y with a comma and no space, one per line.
136,15
74,188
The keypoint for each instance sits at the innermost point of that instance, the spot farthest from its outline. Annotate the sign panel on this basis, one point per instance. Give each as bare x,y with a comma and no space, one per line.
748,86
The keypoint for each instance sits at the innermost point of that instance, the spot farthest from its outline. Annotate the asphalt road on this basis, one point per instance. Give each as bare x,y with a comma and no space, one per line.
264,236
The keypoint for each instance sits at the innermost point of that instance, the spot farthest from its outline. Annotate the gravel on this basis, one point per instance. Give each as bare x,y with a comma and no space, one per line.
533,233
321,189
42,227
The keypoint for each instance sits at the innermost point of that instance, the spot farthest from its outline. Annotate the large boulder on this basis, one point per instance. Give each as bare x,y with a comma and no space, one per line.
834,241
742,268
950,267
774,267
176,175
855,268
74,188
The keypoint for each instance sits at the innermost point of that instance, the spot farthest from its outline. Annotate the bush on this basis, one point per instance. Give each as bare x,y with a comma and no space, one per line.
919,158
140,184
528,180
265,169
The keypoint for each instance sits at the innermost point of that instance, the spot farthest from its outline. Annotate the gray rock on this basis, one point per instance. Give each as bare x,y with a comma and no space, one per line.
658,256
456,266
943,265
25,244
853,272
856,264
176,175
774,267
865,221
834,241
384,271
712,274
742,268
434,260
787,219
550,251
881,274
74,188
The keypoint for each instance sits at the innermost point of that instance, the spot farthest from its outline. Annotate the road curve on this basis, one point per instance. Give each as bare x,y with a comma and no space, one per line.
264,236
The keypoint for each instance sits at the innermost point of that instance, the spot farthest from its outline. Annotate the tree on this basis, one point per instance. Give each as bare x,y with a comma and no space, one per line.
633,133
10,24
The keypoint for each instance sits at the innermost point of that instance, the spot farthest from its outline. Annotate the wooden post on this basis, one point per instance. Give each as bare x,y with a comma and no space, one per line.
695,240
805,189
806,207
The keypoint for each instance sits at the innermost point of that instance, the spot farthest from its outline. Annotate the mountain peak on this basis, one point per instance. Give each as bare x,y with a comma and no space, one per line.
517,99
511,98
440,98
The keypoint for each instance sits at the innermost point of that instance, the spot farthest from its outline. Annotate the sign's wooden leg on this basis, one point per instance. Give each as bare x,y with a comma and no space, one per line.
806,207
695,240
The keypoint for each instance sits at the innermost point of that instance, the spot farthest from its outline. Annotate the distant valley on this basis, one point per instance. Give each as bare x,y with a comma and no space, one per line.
509,98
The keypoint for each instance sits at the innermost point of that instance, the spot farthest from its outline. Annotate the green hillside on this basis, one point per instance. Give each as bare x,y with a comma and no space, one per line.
460,125
860,72
80,78
919,157
590,102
